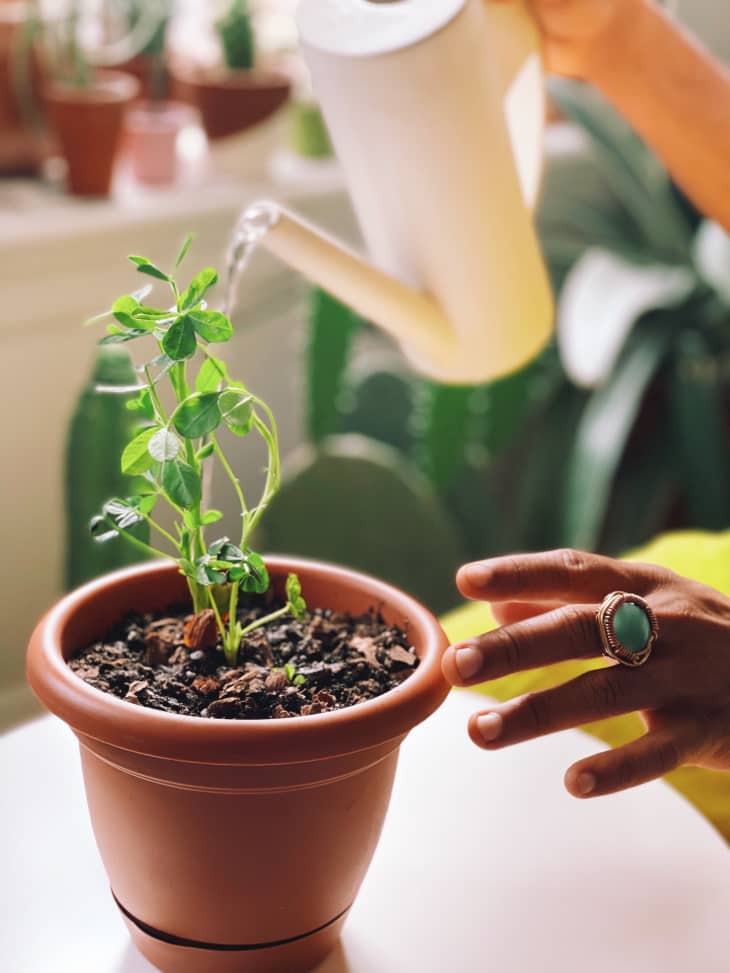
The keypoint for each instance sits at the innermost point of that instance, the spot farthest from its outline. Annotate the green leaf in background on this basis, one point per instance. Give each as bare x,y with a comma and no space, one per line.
636,175
181,483
211,325
198,415
212,372
442,425
180,341
592,332
377,400
136,458
184,249
356,502
701,429
604,432
331,330
198,288
143,405
535,474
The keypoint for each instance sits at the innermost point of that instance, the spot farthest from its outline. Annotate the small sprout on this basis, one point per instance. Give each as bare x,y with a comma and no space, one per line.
294,677
170,446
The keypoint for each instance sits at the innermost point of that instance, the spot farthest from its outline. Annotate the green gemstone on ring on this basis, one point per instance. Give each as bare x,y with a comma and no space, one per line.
632,627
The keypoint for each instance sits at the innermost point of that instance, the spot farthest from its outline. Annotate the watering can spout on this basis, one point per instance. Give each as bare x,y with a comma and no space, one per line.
410,317
436,114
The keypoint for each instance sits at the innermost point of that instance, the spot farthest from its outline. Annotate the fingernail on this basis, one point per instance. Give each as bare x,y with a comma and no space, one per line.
477,574
585,784
468,661
490,726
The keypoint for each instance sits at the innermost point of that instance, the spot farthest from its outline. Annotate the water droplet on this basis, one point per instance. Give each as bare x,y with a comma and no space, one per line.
253,225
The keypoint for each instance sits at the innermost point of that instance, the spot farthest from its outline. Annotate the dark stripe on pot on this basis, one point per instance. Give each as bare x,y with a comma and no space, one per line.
220,947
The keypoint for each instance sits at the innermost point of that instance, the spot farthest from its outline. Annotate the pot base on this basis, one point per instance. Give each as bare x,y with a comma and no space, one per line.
170,954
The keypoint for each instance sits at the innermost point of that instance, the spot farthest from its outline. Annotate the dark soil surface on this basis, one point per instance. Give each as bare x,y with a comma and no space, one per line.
288,668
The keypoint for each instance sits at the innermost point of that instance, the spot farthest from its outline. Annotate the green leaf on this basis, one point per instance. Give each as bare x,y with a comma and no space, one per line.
224,550
143,405
199,286
204,452
256,579
179,342
198,415
332,327
237,411
136,458
184,248
698,413
123,308
290,671
212,372
164,445
119,339
145,266
212,325
299,680
181,483
211,517
604,431
632,170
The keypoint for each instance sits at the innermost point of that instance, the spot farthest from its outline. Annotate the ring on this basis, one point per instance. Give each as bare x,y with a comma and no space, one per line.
628,628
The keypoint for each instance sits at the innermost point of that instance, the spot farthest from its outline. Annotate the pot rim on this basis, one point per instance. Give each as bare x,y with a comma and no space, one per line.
106,718
106,87
218,76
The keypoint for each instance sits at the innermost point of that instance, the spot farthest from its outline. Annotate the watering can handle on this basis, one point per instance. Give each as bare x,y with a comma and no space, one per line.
517,50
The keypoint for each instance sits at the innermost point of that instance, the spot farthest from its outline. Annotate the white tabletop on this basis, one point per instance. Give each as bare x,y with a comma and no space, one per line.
485,864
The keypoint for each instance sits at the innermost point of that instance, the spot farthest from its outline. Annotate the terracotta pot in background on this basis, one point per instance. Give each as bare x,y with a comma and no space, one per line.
21,150
234,846
88,125
150,141
230,101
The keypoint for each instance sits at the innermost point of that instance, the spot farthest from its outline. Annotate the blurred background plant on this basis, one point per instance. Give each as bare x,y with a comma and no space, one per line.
620,429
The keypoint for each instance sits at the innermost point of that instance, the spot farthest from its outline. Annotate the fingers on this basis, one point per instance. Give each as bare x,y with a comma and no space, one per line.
647,758
563,575
593,696
569,632
507,612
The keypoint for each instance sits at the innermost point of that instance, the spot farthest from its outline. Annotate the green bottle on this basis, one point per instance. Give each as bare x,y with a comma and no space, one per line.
101,426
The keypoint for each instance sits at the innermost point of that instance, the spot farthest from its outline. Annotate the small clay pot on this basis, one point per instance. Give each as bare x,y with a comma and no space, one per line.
234,846
151,131
230,101
88,125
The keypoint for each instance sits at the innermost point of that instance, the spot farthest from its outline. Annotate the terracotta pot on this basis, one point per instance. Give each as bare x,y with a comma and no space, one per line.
234,845
88,125
151,131
230,101
21,149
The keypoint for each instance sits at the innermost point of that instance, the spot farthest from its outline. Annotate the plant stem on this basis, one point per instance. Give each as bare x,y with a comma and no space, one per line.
214,605
279,613
234,480
273,472
154,395
136,542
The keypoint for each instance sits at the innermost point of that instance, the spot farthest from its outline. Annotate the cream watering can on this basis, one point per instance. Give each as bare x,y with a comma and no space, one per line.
435,108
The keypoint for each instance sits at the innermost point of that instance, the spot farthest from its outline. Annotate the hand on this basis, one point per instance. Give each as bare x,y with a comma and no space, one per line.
546,605
577,32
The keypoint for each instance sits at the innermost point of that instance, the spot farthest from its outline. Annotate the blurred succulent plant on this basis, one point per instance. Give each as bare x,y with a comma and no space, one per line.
237,37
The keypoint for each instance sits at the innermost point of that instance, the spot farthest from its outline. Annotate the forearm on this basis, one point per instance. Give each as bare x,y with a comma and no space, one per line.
676,96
